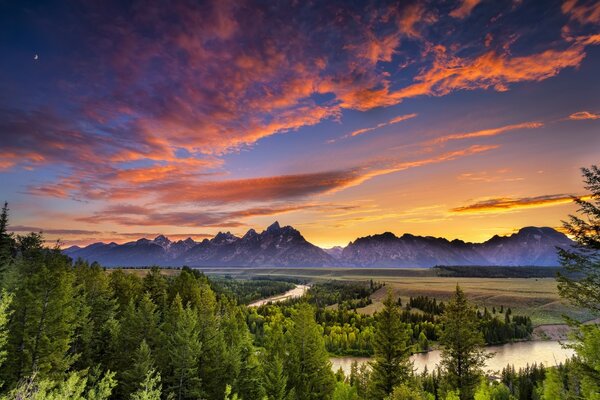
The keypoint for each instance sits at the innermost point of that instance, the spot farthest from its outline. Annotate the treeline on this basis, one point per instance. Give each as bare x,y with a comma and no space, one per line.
350,333
488,271
245,291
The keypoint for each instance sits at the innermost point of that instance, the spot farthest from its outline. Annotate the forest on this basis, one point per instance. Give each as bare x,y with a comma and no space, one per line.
74,330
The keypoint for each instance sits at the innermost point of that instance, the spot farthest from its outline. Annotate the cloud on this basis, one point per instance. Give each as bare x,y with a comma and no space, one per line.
504,204
584,12
583,115
392,121
129,215
485,132
489,177
464,9
21,228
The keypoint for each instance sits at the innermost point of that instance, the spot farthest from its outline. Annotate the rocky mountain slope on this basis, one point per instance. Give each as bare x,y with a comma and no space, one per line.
285,247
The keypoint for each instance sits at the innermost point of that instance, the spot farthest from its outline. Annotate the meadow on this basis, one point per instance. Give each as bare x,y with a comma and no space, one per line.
536,297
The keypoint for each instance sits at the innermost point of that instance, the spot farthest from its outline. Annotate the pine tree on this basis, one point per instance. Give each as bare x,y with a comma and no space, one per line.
391,365
150,388
6,243
584,259
275,377
143,364
581,286
45,313
5,300
183,347
249,382
463,355
96,334
308,362
156,286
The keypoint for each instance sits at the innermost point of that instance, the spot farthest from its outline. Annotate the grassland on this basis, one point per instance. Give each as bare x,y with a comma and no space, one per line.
536,297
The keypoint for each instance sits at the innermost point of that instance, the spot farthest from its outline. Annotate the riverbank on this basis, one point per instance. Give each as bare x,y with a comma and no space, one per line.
296,292
519,354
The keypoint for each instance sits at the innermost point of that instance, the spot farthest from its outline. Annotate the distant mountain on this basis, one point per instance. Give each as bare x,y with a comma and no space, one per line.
276,246
528,247
335,252
285,247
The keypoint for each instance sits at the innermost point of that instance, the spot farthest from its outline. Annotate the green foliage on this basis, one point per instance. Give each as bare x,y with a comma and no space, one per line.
492,391
463,356
246,291
46,310
183,347
308,363
5,301
553,388
452,395
582,288
137,373
150,388
523,383
584,260
73,387
391,366
344,391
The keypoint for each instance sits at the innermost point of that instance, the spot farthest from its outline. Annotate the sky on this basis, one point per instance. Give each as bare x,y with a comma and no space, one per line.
457,119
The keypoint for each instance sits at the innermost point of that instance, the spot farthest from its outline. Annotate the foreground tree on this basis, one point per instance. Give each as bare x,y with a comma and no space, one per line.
308,362
463,356
391,365
183,347
581,284
45,313
150,388
582,288
6,242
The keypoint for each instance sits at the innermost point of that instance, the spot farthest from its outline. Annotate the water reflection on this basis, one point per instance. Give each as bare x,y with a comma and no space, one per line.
518,354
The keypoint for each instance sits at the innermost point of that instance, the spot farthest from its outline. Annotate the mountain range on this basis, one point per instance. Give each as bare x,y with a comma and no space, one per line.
285,247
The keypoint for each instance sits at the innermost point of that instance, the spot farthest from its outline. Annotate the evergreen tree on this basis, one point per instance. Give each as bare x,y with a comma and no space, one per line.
582,285
6,242
44,313
308,362
97,334
275,377
553,388
155,284
249,382
391,365
5,300
183,347
583,261
463,356
137,374
150,388
344,391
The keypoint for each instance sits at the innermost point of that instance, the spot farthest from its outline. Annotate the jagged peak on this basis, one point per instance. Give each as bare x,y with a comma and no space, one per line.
250,234
274,227
223,237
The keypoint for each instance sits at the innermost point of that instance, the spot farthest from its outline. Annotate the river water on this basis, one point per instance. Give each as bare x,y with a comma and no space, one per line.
298,291
518,354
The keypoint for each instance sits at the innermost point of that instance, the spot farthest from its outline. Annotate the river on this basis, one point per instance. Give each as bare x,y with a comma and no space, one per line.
298,291
518,354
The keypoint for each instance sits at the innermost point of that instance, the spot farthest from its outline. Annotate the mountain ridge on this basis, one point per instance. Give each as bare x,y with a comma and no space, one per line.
278,246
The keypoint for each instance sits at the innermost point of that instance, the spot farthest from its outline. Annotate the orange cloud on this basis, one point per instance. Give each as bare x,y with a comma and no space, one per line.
582,115
392,121
581,11
464,9
485,132
504,204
